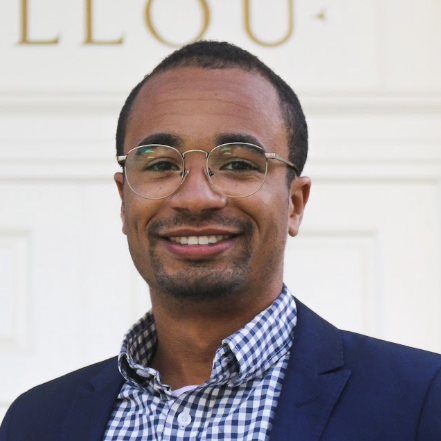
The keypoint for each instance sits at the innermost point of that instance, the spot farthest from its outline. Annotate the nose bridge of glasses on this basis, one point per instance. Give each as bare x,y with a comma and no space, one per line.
188,169
195,151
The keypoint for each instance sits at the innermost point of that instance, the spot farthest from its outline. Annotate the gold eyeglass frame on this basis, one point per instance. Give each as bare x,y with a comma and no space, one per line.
268,155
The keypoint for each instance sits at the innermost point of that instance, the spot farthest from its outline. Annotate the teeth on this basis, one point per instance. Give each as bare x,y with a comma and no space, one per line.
203,240
192,240
198,240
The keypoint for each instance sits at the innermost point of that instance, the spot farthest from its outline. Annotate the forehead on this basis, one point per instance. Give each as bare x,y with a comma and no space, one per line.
199,105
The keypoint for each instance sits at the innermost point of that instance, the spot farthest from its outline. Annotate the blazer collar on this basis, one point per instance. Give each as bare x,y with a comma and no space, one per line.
314,380
92,405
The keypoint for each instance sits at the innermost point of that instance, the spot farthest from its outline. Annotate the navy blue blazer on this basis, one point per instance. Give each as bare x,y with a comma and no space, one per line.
340,386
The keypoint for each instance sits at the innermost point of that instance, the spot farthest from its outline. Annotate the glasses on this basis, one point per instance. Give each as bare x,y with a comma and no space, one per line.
237,170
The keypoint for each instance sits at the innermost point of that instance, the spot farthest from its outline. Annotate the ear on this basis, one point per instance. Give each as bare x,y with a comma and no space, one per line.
119,180
299,195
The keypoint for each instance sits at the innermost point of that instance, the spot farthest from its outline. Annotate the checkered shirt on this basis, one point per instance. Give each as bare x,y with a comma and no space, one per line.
238,402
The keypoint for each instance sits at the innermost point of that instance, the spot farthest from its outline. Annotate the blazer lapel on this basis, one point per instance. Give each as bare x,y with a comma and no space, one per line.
92,406
313,382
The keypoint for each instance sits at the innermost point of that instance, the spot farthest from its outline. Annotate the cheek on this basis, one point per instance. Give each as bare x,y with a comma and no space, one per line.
274,204
270,214
136,214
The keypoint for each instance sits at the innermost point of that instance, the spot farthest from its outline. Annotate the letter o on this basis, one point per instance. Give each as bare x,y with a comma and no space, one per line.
247,14
155,33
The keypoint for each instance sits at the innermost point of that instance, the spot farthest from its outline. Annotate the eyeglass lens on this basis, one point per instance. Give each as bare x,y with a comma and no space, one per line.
156,171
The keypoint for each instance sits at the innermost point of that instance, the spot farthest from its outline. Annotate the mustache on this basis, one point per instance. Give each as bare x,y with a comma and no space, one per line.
158,226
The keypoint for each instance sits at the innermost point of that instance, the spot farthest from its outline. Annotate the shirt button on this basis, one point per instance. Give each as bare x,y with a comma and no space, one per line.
184,419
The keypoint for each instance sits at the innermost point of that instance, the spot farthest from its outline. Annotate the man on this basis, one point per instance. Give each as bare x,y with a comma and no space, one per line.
212,145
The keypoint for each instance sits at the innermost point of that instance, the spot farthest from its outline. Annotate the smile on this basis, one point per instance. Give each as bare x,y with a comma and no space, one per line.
198,240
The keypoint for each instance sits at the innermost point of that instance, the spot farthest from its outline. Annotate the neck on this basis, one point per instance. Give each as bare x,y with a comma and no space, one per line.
189,333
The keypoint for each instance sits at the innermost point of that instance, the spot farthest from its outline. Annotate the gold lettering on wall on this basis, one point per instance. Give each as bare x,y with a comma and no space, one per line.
152,28
247,12
89,39
24,28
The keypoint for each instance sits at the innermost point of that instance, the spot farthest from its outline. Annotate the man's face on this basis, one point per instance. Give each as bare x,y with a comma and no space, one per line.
193,108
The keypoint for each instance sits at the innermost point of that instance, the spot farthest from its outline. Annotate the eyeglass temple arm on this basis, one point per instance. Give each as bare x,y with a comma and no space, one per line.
121,160
285,161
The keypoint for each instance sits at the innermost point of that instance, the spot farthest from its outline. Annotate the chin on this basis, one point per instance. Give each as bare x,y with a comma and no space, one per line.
202,284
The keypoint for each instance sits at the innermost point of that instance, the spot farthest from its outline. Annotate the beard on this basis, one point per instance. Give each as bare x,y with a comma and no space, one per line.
203,279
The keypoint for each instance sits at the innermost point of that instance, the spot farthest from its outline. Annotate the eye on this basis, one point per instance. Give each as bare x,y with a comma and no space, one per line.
240,165
161,165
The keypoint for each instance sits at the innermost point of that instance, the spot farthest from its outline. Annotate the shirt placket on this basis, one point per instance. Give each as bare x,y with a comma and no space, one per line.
180,422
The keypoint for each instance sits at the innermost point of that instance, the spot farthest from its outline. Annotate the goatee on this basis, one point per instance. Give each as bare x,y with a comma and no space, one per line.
204,279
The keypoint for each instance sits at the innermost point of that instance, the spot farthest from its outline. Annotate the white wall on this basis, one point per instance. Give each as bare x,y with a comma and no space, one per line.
369,76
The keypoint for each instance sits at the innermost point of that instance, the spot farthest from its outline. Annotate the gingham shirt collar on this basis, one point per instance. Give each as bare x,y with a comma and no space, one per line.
243,355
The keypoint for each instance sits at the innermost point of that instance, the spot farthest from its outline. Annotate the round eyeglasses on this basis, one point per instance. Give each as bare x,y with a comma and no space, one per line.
236,169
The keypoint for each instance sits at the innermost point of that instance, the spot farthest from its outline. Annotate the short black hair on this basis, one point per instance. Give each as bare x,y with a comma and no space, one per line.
222,55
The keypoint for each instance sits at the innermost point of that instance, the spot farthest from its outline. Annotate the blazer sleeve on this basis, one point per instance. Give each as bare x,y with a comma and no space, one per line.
429,428
6,423
82,399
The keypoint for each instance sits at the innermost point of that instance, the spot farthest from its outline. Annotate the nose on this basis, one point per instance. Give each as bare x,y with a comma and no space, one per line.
196,194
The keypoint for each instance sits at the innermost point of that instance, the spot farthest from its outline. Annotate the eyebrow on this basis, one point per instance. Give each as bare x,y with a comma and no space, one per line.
163,139
226,138
177,142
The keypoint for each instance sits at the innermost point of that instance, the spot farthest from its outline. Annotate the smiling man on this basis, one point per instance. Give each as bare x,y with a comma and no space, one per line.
212,145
